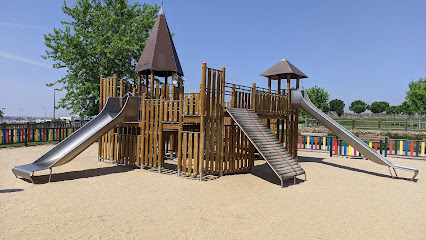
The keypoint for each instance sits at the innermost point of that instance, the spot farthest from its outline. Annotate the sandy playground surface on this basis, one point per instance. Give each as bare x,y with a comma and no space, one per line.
343,198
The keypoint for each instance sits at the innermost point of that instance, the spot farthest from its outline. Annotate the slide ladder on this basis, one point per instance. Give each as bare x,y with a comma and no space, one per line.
266,143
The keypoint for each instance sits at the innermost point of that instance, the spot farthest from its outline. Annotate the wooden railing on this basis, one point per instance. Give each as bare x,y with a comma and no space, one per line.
261,100
191,104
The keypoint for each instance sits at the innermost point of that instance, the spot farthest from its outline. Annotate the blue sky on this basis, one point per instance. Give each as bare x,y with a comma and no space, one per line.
366,50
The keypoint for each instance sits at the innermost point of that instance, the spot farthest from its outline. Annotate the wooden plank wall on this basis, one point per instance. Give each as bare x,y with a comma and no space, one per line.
111,87
214,118
190,153
150,146
238,150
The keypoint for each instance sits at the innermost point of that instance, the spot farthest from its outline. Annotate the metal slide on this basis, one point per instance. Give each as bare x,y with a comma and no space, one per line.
300,99
81,139
267,144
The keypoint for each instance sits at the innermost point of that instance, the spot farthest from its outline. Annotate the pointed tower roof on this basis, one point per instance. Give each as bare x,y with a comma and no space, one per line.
282,69
159,53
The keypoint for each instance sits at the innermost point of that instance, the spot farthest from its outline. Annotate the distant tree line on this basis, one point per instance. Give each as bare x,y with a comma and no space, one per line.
415,102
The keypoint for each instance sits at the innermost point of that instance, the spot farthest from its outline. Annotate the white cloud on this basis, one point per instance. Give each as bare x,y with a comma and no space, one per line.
26,60
24,26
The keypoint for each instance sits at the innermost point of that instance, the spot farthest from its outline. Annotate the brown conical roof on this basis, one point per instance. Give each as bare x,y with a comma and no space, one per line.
282,69
159,53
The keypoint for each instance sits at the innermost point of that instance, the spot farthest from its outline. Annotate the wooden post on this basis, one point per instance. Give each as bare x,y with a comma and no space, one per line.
139,83
202,118
278,121
268,121
221,119
234,97
288,128
142,126
146,82
161,137
152,84
296,124
179,143
253,96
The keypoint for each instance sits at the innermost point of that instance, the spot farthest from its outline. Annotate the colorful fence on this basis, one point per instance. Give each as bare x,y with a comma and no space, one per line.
27,135
404,147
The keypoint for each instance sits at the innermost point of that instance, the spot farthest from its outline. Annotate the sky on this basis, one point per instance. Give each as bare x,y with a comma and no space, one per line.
368,50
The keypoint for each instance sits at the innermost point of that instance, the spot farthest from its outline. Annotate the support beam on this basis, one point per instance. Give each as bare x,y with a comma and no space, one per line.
277,125
152,84
268,121
296,125
202,119
288,128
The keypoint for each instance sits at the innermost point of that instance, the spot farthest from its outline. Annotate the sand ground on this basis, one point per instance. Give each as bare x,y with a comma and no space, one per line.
343,198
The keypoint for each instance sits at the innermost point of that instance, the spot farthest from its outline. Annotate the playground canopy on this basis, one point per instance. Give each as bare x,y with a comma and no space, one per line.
282,69
159,54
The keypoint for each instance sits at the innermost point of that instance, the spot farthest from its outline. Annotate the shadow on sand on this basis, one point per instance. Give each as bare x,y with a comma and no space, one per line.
320,160
88,173
265,172
11,190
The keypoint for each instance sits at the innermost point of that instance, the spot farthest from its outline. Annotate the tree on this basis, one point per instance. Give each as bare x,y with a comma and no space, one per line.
1,114
416,96
391,110
358,106
406,108
103,37
336,104
378,107
340,112
319,97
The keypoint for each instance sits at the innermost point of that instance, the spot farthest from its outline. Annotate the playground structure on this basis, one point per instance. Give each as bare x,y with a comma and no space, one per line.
215,131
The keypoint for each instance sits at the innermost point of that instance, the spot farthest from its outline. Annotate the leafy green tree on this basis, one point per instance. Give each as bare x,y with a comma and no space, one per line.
103,37
416,96
336,104
378,107
358,106
319,97
406,108
340,112
391,110
1,114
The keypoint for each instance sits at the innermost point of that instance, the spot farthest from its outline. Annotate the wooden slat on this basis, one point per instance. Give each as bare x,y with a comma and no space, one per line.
161,136
156,113
196,157
190,151
175,112
185,102
151,133
138,151
185,150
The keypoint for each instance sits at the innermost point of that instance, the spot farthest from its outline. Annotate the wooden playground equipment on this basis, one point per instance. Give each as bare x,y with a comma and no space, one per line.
195,131
195,127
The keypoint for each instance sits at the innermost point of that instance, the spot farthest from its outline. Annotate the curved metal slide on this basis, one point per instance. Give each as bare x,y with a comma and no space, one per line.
300,99
65,151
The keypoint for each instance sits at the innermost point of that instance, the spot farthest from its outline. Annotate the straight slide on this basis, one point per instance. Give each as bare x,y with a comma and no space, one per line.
275,154
300,99
65,151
